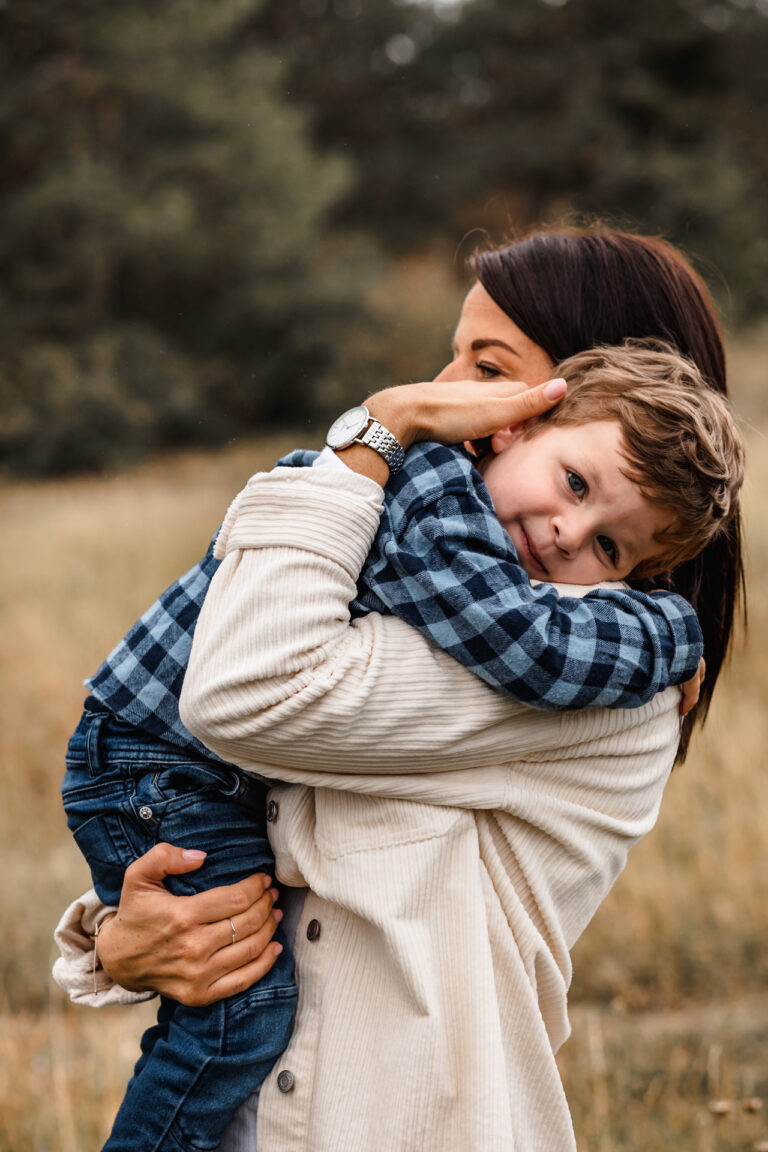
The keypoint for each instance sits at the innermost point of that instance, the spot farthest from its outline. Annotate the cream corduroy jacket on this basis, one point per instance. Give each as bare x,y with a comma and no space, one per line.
455,843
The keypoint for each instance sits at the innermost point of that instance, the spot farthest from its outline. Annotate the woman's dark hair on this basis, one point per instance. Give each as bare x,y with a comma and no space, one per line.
570,289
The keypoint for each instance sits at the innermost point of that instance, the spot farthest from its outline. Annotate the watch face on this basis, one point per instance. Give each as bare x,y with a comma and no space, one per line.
349,425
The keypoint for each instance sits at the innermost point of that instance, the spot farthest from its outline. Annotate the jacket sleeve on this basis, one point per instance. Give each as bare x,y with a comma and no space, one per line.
280,676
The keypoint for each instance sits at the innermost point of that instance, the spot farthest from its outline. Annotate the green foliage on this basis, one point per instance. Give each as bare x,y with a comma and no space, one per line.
499,112
195,192
159,236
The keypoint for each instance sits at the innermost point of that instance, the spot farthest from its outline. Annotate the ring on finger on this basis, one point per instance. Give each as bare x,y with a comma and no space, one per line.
234,932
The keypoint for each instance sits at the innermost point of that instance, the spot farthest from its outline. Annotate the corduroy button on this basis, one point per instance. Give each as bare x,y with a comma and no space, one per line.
286,1082
313,930
272,810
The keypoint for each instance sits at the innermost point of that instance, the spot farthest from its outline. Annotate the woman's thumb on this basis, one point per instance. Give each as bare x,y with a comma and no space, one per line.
161,861
536,401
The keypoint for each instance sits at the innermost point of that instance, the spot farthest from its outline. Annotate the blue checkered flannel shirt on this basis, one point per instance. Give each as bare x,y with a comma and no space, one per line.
442,562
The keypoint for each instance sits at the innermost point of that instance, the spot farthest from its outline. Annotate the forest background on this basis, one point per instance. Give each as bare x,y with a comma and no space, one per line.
222,222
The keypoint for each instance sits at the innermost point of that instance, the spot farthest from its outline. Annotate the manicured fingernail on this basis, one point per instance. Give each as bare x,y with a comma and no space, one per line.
267,881
278,915
277,949
274,893
555,388
193,854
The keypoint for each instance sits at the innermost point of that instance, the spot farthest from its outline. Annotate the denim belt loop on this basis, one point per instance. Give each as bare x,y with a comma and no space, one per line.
92,743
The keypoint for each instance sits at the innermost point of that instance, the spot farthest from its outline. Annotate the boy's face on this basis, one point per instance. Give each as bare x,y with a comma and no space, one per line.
573,515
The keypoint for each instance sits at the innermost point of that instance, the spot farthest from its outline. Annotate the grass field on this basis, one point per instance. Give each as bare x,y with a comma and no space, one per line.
671,989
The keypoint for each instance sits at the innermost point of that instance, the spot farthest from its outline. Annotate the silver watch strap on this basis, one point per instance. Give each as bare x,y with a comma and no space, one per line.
379,438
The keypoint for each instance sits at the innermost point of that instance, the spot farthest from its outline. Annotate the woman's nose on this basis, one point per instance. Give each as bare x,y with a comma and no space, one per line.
452,371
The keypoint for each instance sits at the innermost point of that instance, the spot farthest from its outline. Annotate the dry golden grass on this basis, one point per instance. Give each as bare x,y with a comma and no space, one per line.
64,1072
650,1083
682,936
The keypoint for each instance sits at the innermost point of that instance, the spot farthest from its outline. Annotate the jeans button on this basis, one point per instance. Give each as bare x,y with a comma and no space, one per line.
313,930
145,812
286,1082
272,811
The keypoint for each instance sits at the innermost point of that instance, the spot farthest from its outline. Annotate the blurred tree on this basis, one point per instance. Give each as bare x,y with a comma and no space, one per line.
491,111
357,66
654,113
186,185
162,276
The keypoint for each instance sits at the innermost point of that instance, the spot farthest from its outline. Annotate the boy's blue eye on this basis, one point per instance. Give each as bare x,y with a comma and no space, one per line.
576,484
609,548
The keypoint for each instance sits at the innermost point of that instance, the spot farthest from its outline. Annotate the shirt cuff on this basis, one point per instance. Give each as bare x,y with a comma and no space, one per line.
78,970
328,459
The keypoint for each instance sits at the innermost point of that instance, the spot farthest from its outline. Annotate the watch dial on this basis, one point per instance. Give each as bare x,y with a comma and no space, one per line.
349,425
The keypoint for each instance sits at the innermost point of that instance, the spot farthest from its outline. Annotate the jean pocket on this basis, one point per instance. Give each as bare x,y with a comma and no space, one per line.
182,780
109,844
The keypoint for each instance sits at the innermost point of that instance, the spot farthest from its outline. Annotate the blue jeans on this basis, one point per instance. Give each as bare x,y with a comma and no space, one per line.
125,790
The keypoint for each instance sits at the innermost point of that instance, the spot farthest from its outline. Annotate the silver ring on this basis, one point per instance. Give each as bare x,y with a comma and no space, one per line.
234,933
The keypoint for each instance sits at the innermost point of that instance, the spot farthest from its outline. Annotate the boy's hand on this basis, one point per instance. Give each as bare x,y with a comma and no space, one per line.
691,689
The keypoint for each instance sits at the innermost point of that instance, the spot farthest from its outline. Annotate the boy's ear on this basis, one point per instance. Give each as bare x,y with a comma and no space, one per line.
506,437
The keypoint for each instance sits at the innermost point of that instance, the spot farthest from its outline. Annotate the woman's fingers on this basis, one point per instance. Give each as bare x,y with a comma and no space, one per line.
498,406
242,978
458,410
231,968
233,956
536,401
160,861
174,944
228,899
692,688
246,923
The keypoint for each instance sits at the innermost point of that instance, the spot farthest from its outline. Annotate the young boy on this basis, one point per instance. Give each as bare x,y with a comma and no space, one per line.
627,495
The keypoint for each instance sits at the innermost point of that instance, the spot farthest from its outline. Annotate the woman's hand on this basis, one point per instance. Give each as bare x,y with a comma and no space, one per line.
450,412
454,411
181,946
692,688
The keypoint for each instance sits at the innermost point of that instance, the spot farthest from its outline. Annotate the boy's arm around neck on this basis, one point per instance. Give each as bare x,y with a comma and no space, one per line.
443,563
281,682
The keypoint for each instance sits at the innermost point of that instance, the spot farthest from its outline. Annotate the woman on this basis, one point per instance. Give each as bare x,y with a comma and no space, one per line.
544,288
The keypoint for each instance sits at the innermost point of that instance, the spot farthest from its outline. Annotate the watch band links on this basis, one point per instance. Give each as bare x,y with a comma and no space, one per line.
379,438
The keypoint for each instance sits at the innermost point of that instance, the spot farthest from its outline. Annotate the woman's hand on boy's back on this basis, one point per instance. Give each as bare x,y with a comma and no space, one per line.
181,946
692,689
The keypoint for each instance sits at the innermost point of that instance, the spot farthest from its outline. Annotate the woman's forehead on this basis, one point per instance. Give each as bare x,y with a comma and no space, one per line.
483,324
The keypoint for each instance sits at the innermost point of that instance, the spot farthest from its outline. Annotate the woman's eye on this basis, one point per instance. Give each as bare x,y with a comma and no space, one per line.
609,548
487,371
576,484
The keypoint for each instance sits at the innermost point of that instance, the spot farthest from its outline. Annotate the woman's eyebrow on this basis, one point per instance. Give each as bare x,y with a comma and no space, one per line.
478,345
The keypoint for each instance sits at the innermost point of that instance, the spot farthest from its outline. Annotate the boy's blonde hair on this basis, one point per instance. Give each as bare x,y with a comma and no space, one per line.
681,444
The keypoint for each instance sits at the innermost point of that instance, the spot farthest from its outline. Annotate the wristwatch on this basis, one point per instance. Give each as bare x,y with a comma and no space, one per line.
357,426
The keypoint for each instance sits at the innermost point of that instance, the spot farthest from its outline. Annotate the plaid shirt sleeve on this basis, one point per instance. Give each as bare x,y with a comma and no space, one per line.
443,563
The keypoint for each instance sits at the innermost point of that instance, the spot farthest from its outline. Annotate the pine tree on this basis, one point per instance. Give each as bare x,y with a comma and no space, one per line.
162,275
